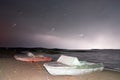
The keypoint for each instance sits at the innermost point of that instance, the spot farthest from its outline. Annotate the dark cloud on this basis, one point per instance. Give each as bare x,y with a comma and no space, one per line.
60,23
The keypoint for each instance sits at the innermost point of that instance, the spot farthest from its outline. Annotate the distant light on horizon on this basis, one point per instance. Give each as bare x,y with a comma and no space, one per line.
100,42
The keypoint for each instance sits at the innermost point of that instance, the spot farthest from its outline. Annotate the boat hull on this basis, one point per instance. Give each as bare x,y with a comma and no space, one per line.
69,70
33,59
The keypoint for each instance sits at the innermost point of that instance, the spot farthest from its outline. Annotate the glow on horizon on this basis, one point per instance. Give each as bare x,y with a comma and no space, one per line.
99,42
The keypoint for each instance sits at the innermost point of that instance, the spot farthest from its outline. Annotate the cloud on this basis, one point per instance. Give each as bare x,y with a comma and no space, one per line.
62,42
98,42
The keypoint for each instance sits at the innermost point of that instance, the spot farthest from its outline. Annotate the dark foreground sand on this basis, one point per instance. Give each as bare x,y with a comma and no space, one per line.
10,69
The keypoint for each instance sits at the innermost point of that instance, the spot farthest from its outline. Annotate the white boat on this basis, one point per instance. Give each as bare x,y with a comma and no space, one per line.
67,65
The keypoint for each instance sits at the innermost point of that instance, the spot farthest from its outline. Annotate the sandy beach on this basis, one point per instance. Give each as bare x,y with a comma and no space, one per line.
10,69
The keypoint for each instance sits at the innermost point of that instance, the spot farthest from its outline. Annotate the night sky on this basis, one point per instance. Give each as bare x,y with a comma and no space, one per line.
67,24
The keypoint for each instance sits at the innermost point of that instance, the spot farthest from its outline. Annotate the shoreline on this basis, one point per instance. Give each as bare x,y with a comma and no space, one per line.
11,69
109,69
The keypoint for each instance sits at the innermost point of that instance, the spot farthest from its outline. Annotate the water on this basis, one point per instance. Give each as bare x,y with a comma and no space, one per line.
110,58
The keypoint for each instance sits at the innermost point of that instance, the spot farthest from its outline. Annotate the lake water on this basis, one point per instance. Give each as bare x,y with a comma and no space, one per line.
110,58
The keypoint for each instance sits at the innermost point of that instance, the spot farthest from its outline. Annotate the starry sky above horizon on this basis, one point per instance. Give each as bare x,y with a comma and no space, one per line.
69,24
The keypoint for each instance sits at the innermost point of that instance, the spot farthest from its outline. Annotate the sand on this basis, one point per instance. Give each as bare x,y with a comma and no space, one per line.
10,69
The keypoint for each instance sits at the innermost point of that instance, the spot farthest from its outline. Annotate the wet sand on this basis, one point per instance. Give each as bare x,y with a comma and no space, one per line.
10,69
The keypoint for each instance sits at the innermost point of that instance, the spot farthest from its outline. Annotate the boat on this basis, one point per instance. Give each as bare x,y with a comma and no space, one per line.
68,65
31,57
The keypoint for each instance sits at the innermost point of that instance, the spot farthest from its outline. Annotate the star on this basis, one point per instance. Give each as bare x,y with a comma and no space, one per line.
14,25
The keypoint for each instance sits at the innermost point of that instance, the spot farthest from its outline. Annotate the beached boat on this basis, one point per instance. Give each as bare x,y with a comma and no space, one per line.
30,57
67,65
